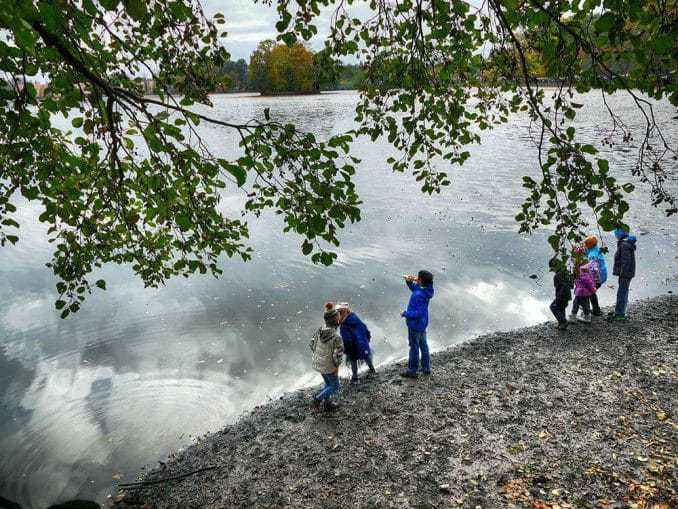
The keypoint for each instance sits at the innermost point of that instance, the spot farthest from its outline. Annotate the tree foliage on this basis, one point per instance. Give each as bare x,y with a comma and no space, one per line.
278,69
133,183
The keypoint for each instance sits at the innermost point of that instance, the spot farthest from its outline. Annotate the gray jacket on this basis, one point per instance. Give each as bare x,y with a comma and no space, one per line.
327,348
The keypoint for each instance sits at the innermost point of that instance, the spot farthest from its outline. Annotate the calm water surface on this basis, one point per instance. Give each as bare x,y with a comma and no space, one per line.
138,372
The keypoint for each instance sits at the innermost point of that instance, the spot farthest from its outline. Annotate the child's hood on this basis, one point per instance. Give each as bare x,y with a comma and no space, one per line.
593,252
351,320
427,291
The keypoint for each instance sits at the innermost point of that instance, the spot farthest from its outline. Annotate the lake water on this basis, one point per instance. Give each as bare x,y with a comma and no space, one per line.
138,373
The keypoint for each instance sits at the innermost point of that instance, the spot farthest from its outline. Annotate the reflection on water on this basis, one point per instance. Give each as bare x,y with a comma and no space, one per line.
139,372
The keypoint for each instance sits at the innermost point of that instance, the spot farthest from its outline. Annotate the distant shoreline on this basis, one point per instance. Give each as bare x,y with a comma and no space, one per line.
528,418
283,94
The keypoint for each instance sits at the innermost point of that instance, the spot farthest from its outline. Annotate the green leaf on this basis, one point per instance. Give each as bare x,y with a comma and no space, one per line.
604,165
237,171
101,284
605,22
306,247
109,4
183,222
135,8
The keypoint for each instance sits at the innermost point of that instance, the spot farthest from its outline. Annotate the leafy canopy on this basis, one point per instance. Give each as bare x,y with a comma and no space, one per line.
133,183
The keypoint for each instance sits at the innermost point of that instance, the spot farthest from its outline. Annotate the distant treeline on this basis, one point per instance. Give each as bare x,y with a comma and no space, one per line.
281,69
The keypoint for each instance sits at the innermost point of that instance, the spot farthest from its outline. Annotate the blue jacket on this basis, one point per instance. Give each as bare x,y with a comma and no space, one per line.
625,257
416,313
356,337
594,253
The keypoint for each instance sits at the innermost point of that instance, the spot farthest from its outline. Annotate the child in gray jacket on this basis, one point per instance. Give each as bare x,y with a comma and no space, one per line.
328,350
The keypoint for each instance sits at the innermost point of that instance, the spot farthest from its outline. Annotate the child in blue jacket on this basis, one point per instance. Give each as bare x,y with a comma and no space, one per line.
416,316
625,268
599,269
356,338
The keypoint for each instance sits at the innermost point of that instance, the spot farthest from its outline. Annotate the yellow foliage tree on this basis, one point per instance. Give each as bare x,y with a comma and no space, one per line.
288,69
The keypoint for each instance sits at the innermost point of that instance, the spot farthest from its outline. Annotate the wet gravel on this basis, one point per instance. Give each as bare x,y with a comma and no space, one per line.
533,418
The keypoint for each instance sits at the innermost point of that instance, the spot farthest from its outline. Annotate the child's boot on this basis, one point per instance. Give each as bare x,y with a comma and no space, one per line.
585,318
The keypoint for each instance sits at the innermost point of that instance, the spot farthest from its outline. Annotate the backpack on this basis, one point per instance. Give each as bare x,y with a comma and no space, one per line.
594,268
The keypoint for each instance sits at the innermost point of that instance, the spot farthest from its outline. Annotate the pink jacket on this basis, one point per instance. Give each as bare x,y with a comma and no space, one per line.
584,284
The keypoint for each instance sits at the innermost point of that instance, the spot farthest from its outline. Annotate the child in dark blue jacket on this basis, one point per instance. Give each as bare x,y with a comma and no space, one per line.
563,286
416,316
625,268
356,338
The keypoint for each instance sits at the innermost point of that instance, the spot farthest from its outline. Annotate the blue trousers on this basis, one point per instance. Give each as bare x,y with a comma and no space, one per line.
622,296
331,386
417,341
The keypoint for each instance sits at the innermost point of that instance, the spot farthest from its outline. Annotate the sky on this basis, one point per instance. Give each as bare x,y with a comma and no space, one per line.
248,23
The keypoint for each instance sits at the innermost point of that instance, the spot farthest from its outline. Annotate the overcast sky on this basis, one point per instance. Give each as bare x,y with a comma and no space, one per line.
248,23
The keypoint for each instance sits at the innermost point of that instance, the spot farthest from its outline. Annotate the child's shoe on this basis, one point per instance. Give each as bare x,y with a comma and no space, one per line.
409,374
330,405
562,326
585,318
355,380
618,318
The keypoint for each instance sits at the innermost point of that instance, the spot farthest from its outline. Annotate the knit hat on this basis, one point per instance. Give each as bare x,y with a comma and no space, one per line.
330,311
590,241
578,250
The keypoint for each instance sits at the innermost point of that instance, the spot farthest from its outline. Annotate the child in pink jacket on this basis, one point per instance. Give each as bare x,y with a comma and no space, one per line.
584,287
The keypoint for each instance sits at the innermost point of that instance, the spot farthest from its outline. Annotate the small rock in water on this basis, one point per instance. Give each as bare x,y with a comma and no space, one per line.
444,487
533,276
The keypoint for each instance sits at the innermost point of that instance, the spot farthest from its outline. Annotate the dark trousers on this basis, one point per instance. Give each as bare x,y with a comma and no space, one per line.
354,366
595,307
558,308
582,302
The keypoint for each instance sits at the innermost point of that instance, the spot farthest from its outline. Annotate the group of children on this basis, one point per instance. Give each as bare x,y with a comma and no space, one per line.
345,334
353,340
590,272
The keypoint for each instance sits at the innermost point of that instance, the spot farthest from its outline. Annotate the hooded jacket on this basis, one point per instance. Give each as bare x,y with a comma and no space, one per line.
595,254
563,285
327,348
356,337
584,285
625,257
416,314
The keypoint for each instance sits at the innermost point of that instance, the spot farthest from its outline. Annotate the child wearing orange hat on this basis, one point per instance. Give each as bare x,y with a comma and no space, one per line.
598,269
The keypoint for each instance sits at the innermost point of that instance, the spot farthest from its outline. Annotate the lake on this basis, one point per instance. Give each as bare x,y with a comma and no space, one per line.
138,373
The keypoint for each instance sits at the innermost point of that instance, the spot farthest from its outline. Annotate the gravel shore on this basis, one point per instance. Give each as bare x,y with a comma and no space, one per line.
534,418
